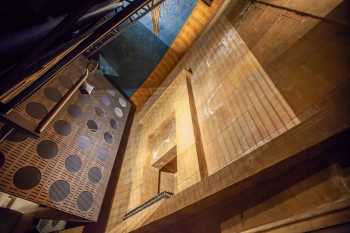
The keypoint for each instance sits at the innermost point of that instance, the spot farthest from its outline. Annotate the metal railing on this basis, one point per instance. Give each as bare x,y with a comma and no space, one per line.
153,200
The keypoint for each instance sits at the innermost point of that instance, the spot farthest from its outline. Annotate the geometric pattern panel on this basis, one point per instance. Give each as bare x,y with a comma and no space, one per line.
69,166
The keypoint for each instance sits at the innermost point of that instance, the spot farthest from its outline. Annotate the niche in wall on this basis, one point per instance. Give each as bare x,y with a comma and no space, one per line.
168,177
163,143
169,139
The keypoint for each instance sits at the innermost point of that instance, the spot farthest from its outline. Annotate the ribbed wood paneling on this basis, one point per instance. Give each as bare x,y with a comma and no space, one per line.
239,108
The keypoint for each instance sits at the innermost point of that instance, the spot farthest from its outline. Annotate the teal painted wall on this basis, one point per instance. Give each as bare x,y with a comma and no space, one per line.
129,59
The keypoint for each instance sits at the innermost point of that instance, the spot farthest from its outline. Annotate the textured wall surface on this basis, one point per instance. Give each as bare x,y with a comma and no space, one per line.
305,57
315,192
142,184
258,103
239,108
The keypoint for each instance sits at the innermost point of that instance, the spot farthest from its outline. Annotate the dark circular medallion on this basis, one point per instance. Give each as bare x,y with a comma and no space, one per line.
113,123
102,153
108,138
2,159
62,127
91,124
74,111
85,200
99,111
59,190
47,149
73,163
36,110
27,177
95,174
52,94
83,142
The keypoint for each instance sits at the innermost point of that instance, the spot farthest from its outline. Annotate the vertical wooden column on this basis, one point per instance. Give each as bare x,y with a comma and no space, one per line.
188,172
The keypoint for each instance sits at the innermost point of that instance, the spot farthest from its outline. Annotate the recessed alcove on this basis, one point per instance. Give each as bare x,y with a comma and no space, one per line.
163,143
168,142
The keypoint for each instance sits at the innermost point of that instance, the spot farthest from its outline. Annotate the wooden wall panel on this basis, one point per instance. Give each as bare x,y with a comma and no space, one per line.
308,67
313,7
247,107
323,189
174,104
128,190
270,31
239,108
139,179
305,57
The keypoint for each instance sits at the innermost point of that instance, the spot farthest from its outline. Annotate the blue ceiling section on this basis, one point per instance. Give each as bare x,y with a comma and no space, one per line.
129,59
173,15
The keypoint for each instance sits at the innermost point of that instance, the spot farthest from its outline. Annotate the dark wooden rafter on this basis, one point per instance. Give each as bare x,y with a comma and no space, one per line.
130,12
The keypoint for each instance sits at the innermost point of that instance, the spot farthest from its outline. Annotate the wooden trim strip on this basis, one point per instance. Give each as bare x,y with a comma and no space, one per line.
46,121
321,211
302,13
8,132
49,213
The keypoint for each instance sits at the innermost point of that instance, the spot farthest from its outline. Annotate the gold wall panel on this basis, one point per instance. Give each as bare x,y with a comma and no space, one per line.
239,108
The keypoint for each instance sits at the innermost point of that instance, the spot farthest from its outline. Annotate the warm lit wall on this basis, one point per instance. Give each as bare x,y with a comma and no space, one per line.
305,57
270,31
173,104
138,178
317,192
260,91
239,108
128,188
